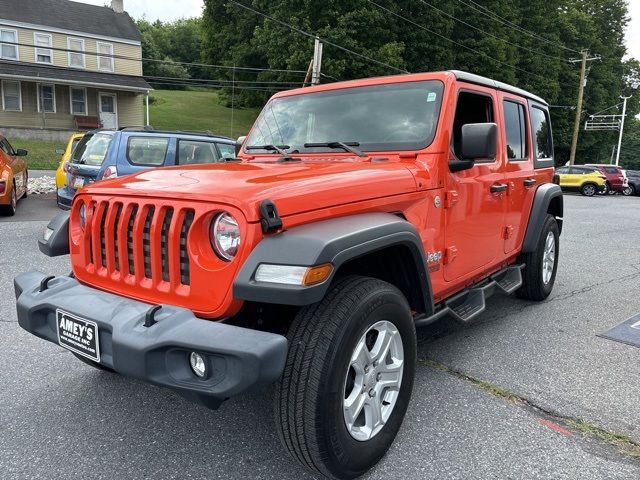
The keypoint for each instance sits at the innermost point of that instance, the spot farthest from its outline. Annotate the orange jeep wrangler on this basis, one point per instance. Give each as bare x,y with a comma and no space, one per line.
355,213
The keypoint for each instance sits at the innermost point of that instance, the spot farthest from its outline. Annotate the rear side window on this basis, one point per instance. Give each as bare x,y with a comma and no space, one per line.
147,151
226,150
516,130
562,170
611,170
541,128
191,152
92,149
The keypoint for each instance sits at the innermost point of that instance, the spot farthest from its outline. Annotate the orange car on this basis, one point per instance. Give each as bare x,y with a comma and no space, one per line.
13,177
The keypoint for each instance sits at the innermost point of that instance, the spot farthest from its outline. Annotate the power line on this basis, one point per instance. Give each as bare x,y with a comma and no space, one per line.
323,40
606,109
492,35
454,42
494,16
152,60
216,86
257,82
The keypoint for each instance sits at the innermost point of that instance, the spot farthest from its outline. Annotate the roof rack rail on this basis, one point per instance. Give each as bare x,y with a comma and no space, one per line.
146,128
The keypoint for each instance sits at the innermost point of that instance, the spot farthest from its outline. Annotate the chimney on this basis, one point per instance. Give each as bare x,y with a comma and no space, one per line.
117,6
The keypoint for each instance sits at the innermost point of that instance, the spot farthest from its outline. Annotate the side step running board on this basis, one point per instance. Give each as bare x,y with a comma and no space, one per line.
468,304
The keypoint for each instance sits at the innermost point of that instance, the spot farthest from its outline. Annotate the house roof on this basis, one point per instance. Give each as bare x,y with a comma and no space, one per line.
41,73
74,16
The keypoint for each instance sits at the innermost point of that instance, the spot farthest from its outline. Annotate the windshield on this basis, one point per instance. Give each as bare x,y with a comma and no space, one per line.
92,149
400,116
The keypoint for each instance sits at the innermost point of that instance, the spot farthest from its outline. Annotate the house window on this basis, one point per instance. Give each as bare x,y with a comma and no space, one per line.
76,60
43,42
11,96
78,101
46,98
8,51
105,62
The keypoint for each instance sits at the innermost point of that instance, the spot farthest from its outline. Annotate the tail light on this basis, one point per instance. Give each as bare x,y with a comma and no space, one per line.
110,172
603,177
65,167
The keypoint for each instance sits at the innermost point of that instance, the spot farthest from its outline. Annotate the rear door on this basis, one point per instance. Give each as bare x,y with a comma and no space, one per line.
473,226
196,152
140,151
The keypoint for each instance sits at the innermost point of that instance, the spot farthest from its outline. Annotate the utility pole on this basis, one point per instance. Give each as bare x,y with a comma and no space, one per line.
583,82
317,62
624,113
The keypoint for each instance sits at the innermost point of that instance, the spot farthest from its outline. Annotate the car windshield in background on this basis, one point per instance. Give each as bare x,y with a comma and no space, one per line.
92,149
399,116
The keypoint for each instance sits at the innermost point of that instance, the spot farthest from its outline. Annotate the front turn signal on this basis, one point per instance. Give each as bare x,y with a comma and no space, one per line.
317,274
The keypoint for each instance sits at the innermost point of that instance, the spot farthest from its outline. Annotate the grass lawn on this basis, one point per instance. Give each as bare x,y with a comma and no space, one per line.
198,110
42,154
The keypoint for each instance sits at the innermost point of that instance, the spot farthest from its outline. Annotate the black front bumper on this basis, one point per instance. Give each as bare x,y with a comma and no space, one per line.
239,359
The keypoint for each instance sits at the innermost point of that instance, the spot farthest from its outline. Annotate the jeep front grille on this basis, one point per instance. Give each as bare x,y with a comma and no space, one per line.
133,242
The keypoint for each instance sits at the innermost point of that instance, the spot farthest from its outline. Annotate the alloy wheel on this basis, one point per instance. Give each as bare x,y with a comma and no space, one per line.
548,258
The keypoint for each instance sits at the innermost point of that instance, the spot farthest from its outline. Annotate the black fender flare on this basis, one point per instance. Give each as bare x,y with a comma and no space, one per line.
57,242
334,241
546,194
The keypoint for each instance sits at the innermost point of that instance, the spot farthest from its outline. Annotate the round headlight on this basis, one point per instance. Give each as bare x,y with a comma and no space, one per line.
225,236
83,215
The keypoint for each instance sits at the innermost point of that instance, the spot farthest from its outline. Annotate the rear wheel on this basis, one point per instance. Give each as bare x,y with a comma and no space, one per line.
628,191
348,377
588,190
541,265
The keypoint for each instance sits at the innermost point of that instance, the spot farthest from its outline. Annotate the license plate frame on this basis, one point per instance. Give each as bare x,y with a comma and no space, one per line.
77,334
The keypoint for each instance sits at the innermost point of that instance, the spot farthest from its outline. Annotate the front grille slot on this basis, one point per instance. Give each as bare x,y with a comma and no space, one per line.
103,250
164,243
116,223
130,256
185,275
146,242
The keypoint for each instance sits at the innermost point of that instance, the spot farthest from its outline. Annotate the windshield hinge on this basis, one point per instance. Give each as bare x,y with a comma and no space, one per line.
269,218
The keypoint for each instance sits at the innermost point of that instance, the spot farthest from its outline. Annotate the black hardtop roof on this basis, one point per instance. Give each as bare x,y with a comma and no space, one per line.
487,82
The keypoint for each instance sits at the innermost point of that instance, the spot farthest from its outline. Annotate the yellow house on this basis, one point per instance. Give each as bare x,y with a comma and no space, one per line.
67,65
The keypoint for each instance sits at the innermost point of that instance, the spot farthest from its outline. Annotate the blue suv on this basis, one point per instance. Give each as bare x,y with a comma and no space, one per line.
103,154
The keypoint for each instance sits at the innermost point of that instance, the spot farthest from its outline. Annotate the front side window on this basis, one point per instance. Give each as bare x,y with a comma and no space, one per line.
147,151
78,101
192,152
11,96
471,108
43,41
92,149
7,50
541,134
516,130
46,98
76,60
397,116
105,58
226,150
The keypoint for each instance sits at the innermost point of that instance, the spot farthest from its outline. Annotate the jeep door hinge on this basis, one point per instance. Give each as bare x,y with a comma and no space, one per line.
450,198
450,254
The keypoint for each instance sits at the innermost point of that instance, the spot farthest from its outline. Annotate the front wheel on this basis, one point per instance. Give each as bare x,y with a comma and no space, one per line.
588,190
348,377
628,191
541,265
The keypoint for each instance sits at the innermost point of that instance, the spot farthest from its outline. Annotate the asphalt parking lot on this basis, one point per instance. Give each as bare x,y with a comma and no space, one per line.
528,391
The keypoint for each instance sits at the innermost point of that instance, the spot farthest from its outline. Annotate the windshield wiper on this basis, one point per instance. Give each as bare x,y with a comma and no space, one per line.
346,146
281,149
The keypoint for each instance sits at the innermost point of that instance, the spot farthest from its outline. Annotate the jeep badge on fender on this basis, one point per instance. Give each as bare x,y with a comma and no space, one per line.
358,211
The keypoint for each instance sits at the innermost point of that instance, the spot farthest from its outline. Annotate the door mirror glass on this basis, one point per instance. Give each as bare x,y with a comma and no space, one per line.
21,152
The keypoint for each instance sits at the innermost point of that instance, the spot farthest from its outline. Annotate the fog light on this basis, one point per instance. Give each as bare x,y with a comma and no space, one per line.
198,364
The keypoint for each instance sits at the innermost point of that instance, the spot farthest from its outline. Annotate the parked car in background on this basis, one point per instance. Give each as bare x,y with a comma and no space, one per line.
103,154
61,172
633,183
586,180
616,181
14,177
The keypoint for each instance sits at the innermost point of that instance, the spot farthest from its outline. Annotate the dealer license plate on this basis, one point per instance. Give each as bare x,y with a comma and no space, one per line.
78,335
78,182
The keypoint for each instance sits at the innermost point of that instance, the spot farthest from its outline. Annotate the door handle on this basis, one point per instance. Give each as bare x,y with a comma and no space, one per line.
499,187
529,182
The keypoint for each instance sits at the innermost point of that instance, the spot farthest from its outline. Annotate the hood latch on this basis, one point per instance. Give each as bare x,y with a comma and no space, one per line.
269,218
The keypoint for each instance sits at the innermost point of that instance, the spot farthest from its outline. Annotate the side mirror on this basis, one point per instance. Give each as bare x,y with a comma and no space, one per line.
21,152
239,143
59,151
478,141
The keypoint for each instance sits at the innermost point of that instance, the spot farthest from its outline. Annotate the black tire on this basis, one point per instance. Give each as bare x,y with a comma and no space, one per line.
93,364
534,287
309,398
588,189
628,191
10,209
605,190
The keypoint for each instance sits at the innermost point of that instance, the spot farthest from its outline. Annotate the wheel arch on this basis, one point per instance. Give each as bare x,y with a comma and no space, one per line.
548,201
380,245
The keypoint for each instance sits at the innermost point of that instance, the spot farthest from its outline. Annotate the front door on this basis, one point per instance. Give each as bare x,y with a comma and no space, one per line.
108,109
475,204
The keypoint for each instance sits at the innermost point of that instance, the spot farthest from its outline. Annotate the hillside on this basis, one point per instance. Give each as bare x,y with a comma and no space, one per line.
197,110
